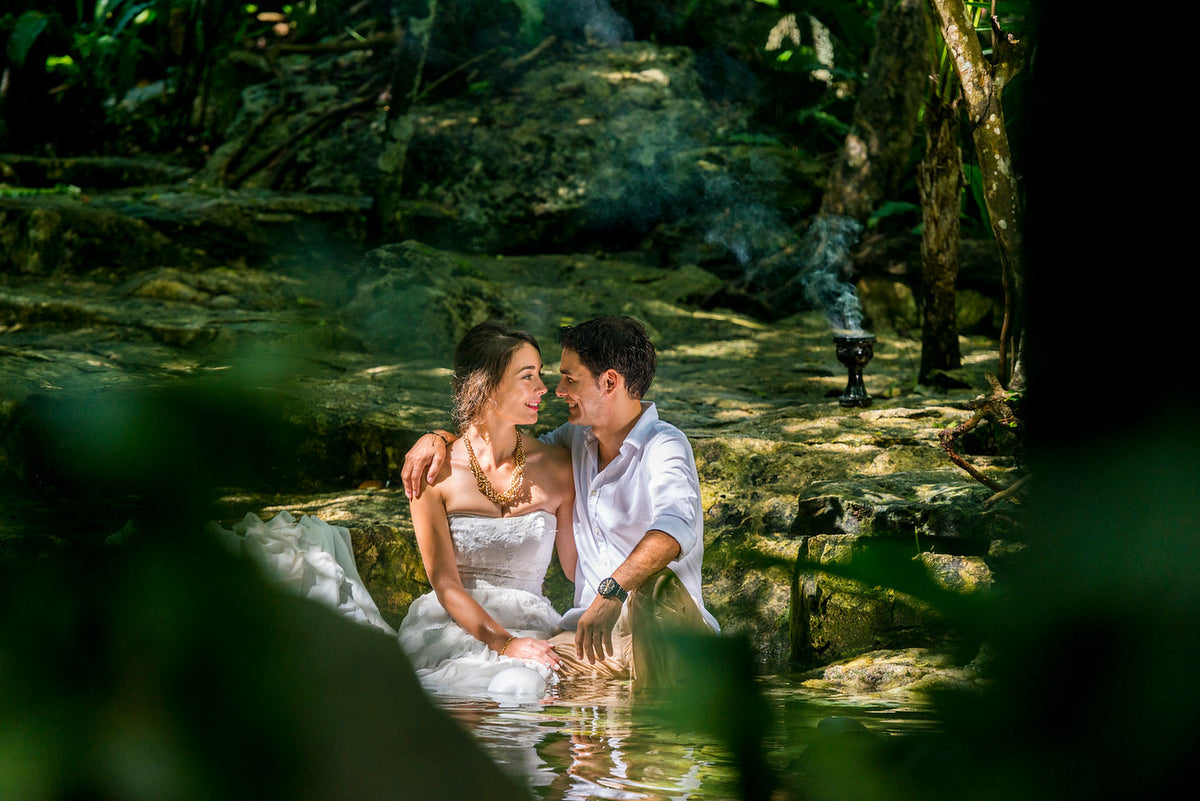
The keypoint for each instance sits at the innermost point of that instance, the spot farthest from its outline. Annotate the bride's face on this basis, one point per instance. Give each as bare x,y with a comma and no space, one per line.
520,392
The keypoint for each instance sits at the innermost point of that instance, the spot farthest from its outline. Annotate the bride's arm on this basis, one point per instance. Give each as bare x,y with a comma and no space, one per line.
437,553
564,538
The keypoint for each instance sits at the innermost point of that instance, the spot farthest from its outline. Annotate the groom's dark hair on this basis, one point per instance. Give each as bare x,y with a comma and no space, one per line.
614,343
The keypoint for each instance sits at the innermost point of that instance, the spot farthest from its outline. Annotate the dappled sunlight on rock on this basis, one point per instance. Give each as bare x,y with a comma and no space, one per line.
898,459
726,349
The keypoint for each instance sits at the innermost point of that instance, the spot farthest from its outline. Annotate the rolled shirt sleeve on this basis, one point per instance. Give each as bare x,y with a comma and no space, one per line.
670,472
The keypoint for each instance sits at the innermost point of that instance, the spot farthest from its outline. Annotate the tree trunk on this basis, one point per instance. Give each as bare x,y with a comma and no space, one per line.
877,148
982,84
939,180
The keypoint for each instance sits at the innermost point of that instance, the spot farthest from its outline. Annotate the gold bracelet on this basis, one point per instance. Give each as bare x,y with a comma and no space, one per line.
506,644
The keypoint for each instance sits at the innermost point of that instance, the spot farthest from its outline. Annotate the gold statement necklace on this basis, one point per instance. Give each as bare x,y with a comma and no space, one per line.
507,497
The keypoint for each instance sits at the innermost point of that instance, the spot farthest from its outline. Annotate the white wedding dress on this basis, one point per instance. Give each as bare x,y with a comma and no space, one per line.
502,562
307,557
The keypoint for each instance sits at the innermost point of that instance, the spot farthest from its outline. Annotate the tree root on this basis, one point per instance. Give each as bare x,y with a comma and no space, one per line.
280,156
375,42
235,158
997,408
1009,493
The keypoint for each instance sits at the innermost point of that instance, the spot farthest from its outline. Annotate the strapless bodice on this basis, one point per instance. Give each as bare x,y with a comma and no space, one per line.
512,552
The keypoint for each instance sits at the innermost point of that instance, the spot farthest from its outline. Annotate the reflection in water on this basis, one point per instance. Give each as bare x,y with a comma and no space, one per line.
591,741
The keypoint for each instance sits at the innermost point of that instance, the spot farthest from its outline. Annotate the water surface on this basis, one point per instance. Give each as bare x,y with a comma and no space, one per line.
594,740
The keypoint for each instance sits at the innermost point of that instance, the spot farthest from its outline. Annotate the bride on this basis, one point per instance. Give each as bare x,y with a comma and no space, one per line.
487,526
485,626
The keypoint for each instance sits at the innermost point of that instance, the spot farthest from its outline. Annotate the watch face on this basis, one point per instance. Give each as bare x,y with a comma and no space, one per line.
609,588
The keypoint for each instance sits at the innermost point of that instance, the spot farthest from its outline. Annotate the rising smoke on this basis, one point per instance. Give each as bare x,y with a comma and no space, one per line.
824,259
785,273
749,229
591,21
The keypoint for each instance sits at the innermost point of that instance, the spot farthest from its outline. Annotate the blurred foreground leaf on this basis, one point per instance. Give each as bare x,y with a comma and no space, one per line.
167,669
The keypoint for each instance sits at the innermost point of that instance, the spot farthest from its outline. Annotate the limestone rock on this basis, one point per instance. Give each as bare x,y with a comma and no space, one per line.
902,672
937,518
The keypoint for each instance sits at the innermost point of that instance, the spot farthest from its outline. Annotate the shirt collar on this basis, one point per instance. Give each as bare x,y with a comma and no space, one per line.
644,427
638,435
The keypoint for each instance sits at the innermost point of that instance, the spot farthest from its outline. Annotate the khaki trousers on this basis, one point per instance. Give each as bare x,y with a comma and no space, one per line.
640,637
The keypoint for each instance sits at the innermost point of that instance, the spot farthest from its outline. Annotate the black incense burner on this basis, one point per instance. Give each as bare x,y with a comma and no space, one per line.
854,351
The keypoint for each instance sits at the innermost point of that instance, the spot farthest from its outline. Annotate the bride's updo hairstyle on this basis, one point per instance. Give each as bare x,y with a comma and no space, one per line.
480,361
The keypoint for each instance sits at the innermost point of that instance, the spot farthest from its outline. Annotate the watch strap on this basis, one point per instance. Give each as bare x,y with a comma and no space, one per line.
609,588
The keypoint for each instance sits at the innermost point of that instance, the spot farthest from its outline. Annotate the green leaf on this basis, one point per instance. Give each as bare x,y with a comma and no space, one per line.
822,119
974,177
133,15
28,28
61,64
532,16
891,208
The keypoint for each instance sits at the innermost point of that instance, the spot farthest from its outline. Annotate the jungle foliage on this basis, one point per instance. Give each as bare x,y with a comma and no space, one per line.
99,59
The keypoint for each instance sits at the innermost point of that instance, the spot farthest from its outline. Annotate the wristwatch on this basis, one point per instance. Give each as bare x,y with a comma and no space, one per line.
609,588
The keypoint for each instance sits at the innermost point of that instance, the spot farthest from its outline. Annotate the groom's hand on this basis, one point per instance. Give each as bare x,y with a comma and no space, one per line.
593,635
422,463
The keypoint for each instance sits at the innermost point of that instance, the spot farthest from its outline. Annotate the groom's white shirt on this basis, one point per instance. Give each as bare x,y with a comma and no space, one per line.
651,484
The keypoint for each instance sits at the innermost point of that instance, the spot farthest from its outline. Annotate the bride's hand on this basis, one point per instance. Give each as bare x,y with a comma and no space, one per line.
536,650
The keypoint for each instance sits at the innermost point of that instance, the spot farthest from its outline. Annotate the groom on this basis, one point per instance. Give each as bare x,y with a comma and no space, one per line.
638,522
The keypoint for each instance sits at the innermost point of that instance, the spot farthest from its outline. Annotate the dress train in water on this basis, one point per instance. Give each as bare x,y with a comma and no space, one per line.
502,562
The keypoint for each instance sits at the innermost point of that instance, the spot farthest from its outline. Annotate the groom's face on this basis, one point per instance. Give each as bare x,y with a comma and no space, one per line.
580,389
